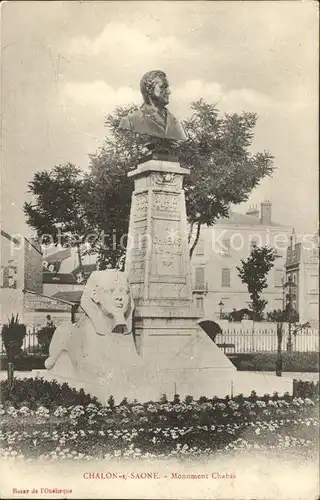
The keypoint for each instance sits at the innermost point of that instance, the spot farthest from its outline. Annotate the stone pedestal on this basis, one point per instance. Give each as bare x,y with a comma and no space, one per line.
158,266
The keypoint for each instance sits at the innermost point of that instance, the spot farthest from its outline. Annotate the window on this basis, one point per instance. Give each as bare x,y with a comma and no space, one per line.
278,278
253,243
199,302
200,247
12,277
199,278
313,283
294,254
226,247
225,277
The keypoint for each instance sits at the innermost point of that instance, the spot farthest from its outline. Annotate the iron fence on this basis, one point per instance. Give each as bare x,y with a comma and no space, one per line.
30,342
247,341
242,341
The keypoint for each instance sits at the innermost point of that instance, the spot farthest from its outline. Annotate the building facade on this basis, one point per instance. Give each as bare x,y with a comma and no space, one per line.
21,270
21,284
302,268
216,285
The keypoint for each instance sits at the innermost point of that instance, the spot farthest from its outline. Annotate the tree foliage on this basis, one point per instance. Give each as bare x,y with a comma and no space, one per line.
223,171
13,333
58,211
253,272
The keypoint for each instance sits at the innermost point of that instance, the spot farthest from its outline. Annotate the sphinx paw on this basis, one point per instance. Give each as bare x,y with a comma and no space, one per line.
49,363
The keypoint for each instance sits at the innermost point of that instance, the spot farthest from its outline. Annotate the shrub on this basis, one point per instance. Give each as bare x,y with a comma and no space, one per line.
13,334
44,336
266,361
42,392
111,402
305,388
176,399
26,362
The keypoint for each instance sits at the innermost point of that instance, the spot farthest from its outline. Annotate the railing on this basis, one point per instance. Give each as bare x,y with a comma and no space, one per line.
266,341
244,340
200,287
30,341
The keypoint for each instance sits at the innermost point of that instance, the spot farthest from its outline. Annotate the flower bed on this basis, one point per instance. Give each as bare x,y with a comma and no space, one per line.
160,429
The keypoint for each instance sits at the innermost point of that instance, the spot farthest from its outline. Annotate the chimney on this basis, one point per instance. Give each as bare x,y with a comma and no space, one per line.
253,211
265,218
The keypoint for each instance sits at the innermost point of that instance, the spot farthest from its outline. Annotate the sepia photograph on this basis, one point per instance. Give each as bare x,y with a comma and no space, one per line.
159,292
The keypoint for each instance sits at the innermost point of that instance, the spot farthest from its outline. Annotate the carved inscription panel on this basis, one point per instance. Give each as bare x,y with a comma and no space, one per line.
138,241
141,204
168,291
166,202
167,256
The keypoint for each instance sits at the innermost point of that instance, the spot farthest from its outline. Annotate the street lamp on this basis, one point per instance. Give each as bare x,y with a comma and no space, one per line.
221,304
291,287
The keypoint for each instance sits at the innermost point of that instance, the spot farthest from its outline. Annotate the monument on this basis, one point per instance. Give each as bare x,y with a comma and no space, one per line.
139,336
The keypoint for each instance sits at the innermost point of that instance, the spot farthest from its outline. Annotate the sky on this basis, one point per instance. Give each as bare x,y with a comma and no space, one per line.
67,65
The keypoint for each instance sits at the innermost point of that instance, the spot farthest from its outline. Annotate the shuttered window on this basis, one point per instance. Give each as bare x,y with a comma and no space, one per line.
225,277
199,278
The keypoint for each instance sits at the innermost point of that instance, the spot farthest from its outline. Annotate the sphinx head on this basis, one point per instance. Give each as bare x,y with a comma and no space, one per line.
108,303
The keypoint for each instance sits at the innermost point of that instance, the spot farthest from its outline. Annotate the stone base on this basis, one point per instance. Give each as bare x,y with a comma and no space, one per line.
191,365
150,386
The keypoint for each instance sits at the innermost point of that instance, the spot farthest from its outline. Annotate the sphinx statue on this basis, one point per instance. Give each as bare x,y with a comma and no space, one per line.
88,349
98,353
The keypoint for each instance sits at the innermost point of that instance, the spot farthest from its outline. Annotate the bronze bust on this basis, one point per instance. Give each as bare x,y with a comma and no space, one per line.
153,118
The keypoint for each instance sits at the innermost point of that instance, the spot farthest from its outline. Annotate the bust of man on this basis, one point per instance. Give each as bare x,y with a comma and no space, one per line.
153,118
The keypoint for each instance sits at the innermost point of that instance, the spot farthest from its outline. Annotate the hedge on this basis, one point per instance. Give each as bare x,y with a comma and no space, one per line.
25,362
266,361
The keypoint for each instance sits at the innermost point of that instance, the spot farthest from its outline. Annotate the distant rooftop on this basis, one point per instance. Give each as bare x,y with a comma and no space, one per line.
58,256
72,296
61,278
243,220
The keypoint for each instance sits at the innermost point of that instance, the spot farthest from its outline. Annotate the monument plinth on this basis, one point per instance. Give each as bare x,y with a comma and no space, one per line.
157,261
159,273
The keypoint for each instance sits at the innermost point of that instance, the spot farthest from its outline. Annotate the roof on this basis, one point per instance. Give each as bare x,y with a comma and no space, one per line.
58,256
57,299
72,296
16,241
61,278
9,237
236,218
293,256
87,269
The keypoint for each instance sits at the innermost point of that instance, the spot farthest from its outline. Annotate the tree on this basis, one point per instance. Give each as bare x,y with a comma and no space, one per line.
253,272
282,318
223,171
59,208
13,334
